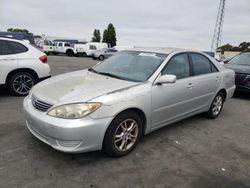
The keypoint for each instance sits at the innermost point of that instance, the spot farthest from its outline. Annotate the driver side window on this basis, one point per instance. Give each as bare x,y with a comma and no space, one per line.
178,66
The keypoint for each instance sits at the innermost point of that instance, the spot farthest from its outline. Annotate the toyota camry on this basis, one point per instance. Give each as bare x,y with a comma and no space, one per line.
111,105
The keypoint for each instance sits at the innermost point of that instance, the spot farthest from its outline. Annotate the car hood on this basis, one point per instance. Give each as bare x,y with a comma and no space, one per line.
244,69
78,86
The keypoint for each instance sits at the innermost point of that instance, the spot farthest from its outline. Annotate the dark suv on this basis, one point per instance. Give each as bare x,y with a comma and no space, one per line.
19,36
241,65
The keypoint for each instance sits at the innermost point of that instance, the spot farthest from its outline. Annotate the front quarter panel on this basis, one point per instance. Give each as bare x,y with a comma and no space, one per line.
113,103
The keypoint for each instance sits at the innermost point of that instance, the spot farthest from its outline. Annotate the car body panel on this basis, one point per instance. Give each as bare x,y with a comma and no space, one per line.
160,104
79,86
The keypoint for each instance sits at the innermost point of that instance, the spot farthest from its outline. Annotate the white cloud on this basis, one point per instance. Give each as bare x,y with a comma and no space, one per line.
182,23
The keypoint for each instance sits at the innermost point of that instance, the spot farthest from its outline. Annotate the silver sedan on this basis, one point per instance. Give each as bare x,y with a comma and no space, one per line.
111,105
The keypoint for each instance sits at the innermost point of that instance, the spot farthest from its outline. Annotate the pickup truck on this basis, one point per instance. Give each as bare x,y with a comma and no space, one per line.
65,48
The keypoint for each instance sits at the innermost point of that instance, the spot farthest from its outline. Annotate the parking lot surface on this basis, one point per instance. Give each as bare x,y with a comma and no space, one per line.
196,152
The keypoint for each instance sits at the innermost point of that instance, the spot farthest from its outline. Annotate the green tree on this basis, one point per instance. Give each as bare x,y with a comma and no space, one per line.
244,46
105,36
18,30
226,47
96,36
109,35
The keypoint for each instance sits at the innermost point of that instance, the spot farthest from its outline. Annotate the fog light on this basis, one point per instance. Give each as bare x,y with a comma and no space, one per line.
69,144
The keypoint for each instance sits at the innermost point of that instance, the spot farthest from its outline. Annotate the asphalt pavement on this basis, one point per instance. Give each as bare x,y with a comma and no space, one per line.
194,153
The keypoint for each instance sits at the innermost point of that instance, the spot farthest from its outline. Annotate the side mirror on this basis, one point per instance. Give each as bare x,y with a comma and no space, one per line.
167,78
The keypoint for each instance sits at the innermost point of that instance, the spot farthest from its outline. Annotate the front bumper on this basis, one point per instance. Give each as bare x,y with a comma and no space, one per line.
72,136
242,88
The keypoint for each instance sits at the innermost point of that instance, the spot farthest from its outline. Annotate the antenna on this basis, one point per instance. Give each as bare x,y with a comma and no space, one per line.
218,27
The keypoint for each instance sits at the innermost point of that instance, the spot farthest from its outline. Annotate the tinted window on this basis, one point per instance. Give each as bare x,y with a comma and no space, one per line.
67,44
17,47
201,64
178,66
60,44
242,59
92,47
4,48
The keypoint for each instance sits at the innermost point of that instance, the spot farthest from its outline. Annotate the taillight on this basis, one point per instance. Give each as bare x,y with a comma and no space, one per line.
43,59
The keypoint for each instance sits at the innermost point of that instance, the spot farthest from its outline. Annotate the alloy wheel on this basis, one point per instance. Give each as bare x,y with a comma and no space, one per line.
22,84
217,105
126,135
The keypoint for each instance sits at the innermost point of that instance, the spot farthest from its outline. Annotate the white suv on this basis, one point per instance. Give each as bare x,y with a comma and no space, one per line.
21,66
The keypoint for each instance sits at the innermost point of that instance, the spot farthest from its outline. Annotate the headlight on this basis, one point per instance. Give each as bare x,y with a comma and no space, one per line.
74,111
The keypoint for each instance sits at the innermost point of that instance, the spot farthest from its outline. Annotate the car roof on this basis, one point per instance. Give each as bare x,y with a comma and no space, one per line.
160,50
11,39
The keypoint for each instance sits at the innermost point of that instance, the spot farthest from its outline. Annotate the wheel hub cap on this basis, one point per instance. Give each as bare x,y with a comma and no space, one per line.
126,135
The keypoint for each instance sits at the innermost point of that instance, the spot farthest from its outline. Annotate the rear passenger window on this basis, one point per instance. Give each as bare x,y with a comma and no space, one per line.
4,48
201,65
17,47
92,47
67,44
178,66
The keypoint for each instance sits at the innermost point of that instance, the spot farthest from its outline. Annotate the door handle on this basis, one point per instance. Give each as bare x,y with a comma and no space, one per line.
218,78
190,86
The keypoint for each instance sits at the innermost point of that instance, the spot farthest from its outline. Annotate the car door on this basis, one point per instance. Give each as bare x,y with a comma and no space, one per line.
172,101
8,60
206,80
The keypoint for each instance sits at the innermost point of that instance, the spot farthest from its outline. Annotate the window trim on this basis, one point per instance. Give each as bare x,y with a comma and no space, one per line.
189,62
210,63
12,49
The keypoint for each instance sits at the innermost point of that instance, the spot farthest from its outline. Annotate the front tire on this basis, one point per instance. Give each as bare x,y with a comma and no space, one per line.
216,106
101,57
123,134
20,83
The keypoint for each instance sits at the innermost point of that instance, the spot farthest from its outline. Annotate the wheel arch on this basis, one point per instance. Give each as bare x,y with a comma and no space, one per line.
139,112
224,92
27,70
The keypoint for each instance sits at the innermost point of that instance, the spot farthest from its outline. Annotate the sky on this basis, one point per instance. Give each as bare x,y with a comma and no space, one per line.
165,23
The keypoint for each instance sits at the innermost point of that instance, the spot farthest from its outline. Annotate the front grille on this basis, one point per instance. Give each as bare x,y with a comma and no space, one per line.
240,78
40,105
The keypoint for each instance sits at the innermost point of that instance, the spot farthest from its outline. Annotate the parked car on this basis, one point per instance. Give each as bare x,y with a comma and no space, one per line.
241,65
103,53
133,93
45,46
64,48
19,35
89,48
22,66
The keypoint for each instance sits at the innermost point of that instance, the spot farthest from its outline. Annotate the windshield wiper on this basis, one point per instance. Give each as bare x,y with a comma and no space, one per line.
110,75
93,70
104,73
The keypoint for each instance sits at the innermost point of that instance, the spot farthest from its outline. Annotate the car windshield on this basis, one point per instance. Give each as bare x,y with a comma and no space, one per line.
130,65
242,59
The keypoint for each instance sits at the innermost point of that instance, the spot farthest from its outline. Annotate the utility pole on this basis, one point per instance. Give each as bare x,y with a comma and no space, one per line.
216,42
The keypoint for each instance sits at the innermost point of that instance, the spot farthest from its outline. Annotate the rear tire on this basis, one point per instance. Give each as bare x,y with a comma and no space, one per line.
216,106
123,134
20,83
